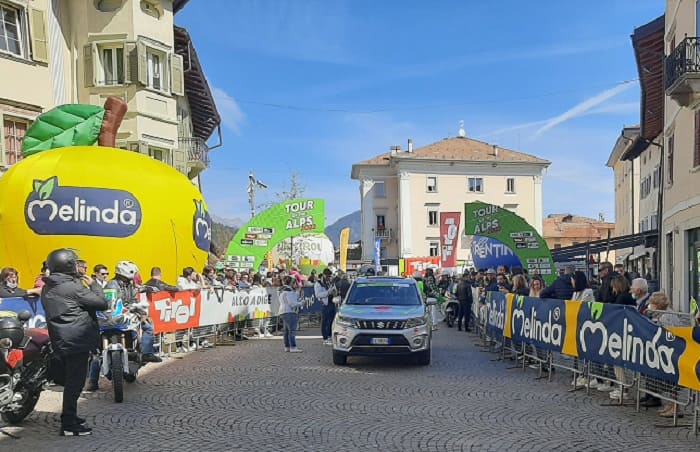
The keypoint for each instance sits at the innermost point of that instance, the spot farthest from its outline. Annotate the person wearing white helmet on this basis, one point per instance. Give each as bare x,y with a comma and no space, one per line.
123,285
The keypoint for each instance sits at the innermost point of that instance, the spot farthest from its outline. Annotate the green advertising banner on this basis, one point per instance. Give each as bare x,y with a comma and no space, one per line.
281,221
501,224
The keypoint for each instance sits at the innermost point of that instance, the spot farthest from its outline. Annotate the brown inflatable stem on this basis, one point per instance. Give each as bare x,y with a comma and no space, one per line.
115,109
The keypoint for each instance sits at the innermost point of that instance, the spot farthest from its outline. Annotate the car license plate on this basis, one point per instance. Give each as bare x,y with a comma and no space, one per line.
379,341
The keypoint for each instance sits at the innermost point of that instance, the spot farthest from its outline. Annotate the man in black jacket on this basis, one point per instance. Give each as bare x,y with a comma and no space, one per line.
342,284
605,292
71,317
464,295
157,281
561,288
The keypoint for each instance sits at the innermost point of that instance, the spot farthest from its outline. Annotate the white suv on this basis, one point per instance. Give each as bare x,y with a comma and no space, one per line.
383,316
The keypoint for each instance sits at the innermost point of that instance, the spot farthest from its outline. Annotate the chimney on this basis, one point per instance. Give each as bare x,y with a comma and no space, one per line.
395,149
410,145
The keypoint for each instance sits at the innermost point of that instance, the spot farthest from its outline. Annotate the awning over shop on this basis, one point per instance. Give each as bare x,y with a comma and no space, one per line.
640,252
647,238
622,257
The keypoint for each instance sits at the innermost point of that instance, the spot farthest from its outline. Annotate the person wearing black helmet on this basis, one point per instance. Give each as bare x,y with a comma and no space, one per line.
71,317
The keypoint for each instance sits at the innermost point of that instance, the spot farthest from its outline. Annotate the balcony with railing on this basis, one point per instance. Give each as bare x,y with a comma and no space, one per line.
682,72
197,154
382,233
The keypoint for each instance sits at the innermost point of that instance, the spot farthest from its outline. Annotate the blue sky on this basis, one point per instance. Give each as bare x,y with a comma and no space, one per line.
315,86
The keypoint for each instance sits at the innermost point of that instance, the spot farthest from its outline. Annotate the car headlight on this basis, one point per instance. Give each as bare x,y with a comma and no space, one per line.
343,321
414,322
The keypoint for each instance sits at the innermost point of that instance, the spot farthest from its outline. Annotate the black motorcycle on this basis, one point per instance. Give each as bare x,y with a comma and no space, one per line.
450,308
25,355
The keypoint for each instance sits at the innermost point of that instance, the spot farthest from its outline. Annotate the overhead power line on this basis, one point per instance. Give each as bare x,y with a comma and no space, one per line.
423,107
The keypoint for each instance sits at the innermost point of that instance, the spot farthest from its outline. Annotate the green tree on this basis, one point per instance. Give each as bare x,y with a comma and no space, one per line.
221,236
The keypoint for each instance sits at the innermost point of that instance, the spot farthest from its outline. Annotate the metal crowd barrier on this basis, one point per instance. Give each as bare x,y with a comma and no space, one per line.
631,385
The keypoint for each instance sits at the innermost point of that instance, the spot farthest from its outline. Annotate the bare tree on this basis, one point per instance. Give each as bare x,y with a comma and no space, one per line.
296,190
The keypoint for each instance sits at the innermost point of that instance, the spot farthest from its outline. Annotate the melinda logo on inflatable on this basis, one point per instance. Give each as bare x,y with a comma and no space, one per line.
201,226
52,209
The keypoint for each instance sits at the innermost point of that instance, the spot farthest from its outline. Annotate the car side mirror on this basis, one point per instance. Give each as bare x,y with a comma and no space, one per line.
431,301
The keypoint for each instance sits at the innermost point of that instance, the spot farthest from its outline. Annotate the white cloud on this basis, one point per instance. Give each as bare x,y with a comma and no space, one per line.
615,109
231,114
525,125
582,108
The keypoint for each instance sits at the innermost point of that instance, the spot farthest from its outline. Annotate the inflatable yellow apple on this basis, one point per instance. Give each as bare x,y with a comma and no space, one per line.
108,204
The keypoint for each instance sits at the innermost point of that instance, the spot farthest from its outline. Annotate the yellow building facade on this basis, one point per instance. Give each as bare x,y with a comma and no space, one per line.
84,51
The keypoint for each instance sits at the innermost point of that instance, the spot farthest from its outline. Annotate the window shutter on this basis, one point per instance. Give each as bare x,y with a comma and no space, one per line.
89,69
671,140
131,63
696,149
40,42
176,71
142,63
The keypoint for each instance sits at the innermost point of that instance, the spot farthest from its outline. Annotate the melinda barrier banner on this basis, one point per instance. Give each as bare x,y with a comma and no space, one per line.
603,333
172,311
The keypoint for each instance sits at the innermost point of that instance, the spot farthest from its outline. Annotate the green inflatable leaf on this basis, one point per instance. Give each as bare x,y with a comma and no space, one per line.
66,125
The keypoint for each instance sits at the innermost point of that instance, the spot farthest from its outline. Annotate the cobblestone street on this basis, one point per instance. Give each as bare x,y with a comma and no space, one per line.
255,397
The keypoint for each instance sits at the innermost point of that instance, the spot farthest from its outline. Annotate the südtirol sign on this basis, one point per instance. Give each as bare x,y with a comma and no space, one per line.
281,221
513,231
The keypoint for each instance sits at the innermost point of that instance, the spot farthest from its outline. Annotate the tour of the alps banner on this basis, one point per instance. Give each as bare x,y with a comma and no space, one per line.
449,231
487,220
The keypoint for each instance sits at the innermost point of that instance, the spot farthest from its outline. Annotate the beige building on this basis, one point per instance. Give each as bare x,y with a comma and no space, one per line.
626,184
82,51
564,229
402,192
680,221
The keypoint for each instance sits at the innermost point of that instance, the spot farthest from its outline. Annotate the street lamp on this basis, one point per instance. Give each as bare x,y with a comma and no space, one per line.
253,184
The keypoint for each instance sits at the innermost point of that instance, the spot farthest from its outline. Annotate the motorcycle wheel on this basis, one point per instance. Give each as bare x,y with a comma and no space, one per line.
16,416
117,370
450,318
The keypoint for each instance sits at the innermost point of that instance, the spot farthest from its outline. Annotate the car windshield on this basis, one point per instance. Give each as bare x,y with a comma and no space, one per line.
384,293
